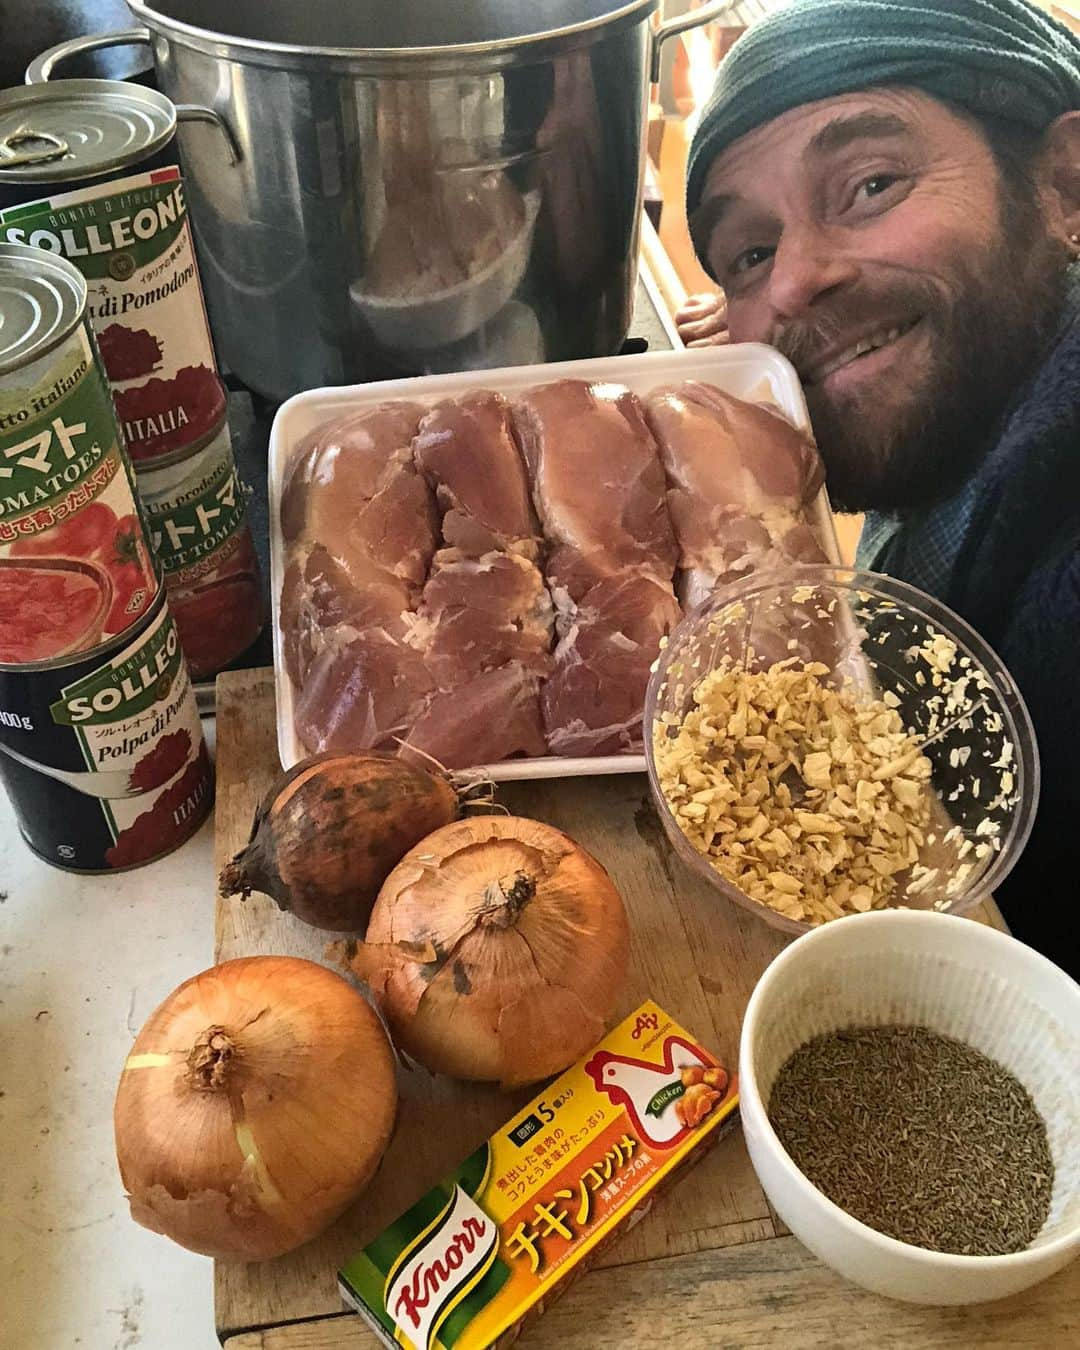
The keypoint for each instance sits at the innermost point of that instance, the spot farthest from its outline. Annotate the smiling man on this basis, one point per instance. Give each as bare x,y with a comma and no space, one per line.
889,192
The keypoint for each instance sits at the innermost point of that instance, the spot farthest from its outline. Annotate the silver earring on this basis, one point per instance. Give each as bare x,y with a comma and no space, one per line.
1074,238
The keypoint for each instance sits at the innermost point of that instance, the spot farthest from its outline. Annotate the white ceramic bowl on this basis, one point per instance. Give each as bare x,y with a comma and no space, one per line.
961,979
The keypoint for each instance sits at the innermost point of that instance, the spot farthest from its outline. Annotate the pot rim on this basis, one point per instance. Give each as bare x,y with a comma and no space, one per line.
381,60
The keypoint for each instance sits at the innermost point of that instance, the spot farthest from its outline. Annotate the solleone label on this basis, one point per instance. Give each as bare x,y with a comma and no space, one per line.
198,524
75,566
131,239
130,776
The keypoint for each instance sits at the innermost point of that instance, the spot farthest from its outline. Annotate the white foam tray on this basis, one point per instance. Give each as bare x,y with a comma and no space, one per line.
748,370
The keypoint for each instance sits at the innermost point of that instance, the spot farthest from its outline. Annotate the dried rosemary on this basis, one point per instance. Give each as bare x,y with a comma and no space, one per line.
918,1136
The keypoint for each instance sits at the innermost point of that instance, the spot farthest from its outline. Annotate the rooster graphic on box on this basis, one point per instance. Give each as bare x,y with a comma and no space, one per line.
661,1118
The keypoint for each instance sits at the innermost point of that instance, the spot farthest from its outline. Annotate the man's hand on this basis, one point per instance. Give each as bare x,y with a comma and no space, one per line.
702,321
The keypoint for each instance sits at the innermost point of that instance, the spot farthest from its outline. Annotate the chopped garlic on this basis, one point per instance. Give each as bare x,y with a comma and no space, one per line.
834,845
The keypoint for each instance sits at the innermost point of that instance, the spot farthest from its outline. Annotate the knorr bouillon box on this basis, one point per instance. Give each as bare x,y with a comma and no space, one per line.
500,1235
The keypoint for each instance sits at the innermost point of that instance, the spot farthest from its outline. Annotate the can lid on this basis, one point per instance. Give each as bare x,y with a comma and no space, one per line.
42,298
77,129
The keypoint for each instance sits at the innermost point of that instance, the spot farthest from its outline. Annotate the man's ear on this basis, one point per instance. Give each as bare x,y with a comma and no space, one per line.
1059,173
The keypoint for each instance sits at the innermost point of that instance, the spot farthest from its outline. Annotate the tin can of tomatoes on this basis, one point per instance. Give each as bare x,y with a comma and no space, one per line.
88,170
77,564
103,755
195,507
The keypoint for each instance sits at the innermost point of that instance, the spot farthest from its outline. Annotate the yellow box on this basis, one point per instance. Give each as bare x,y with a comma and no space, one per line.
500,1236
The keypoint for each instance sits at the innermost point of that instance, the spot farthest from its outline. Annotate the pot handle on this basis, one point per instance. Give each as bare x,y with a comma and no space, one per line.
41,69
195,112
706,14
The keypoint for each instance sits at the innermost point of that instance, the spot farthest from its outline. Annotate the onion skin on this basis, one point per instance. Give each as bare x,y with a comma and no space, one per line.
269,1114
497,950
329,831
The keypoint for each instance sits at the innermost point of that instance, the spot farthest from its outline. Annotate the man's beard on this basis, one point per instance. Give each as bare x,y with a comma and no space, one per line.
983,340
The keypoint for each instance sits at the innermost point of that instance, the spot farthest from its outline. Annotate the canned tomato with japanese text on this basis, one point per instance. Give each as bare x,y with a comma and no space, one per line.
77,567
103,755
88,170
195,508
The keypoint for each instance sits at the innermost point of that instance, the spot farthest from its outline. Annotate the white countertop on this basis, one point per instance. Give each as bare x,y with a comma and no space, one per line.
83,962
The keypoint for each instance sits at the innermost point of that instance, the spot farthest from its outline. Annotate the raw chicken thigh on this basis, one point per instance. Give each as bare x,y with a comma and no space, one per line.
485,622
597,482
363,690
741,482
466,451
361,526
318,594
593,701
354,488
479,613
492,717
599,490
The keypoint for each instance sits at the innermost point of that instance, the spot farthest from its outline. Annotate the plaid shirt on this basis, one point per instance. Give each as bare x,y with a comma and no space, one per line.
920,548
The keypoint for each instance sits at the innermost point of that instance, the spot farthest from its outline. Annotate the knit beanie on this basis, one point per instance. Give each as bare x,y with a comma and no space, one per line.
1000,58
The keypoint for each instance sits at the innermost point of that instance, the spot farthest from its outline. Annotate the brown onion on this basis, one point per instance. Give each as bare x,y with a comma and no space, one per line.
497,950
254,1107
328,832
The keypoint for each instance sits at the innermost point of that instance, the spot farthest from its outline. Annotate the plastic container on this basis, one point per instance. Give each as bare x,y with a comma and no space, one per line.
870,623
960,979
749,371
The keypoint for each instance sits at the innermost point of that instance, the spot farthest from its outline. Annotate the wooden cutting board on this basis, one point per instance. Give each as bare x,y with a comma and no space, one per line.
696,955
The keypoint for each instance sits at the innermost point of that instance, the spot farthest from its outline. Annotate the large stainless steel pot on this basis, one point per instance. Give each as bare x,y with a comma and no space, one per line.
423,185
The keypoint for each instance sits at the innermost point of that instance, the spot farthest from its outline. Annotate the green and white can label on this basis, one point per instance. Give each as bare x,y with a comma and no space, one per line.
131,240
106,763
75,564
195,508
197,518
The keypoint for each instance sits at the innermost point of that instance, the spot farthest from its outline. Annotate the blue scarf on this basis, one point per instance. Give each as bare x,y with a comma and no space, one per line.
1005,554
994,527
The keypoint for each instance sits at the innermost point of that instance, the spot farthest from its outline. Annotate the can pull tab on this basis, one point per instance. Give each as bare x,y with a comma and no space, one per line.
26,146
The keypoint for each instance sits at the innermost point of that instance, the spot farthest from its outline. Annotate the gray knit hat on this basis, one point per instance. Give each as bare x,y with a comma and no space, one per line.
1001,58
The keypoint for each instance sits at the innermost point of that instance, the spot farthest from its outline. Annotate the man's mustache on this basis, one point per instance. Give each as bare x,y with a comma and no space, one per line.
805,341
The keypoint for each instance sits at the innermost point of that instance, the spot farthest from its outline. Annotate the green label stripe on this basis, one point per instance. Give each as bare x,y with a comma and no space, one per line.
187,530
366,1274
81,195
105,236
54,439
392,1241
365,1281
126,687
474,1301
669,1093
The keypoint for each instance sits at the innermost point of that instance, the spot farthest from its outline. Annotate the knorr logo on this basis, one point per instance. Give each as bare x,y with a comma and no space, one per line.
439,1268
